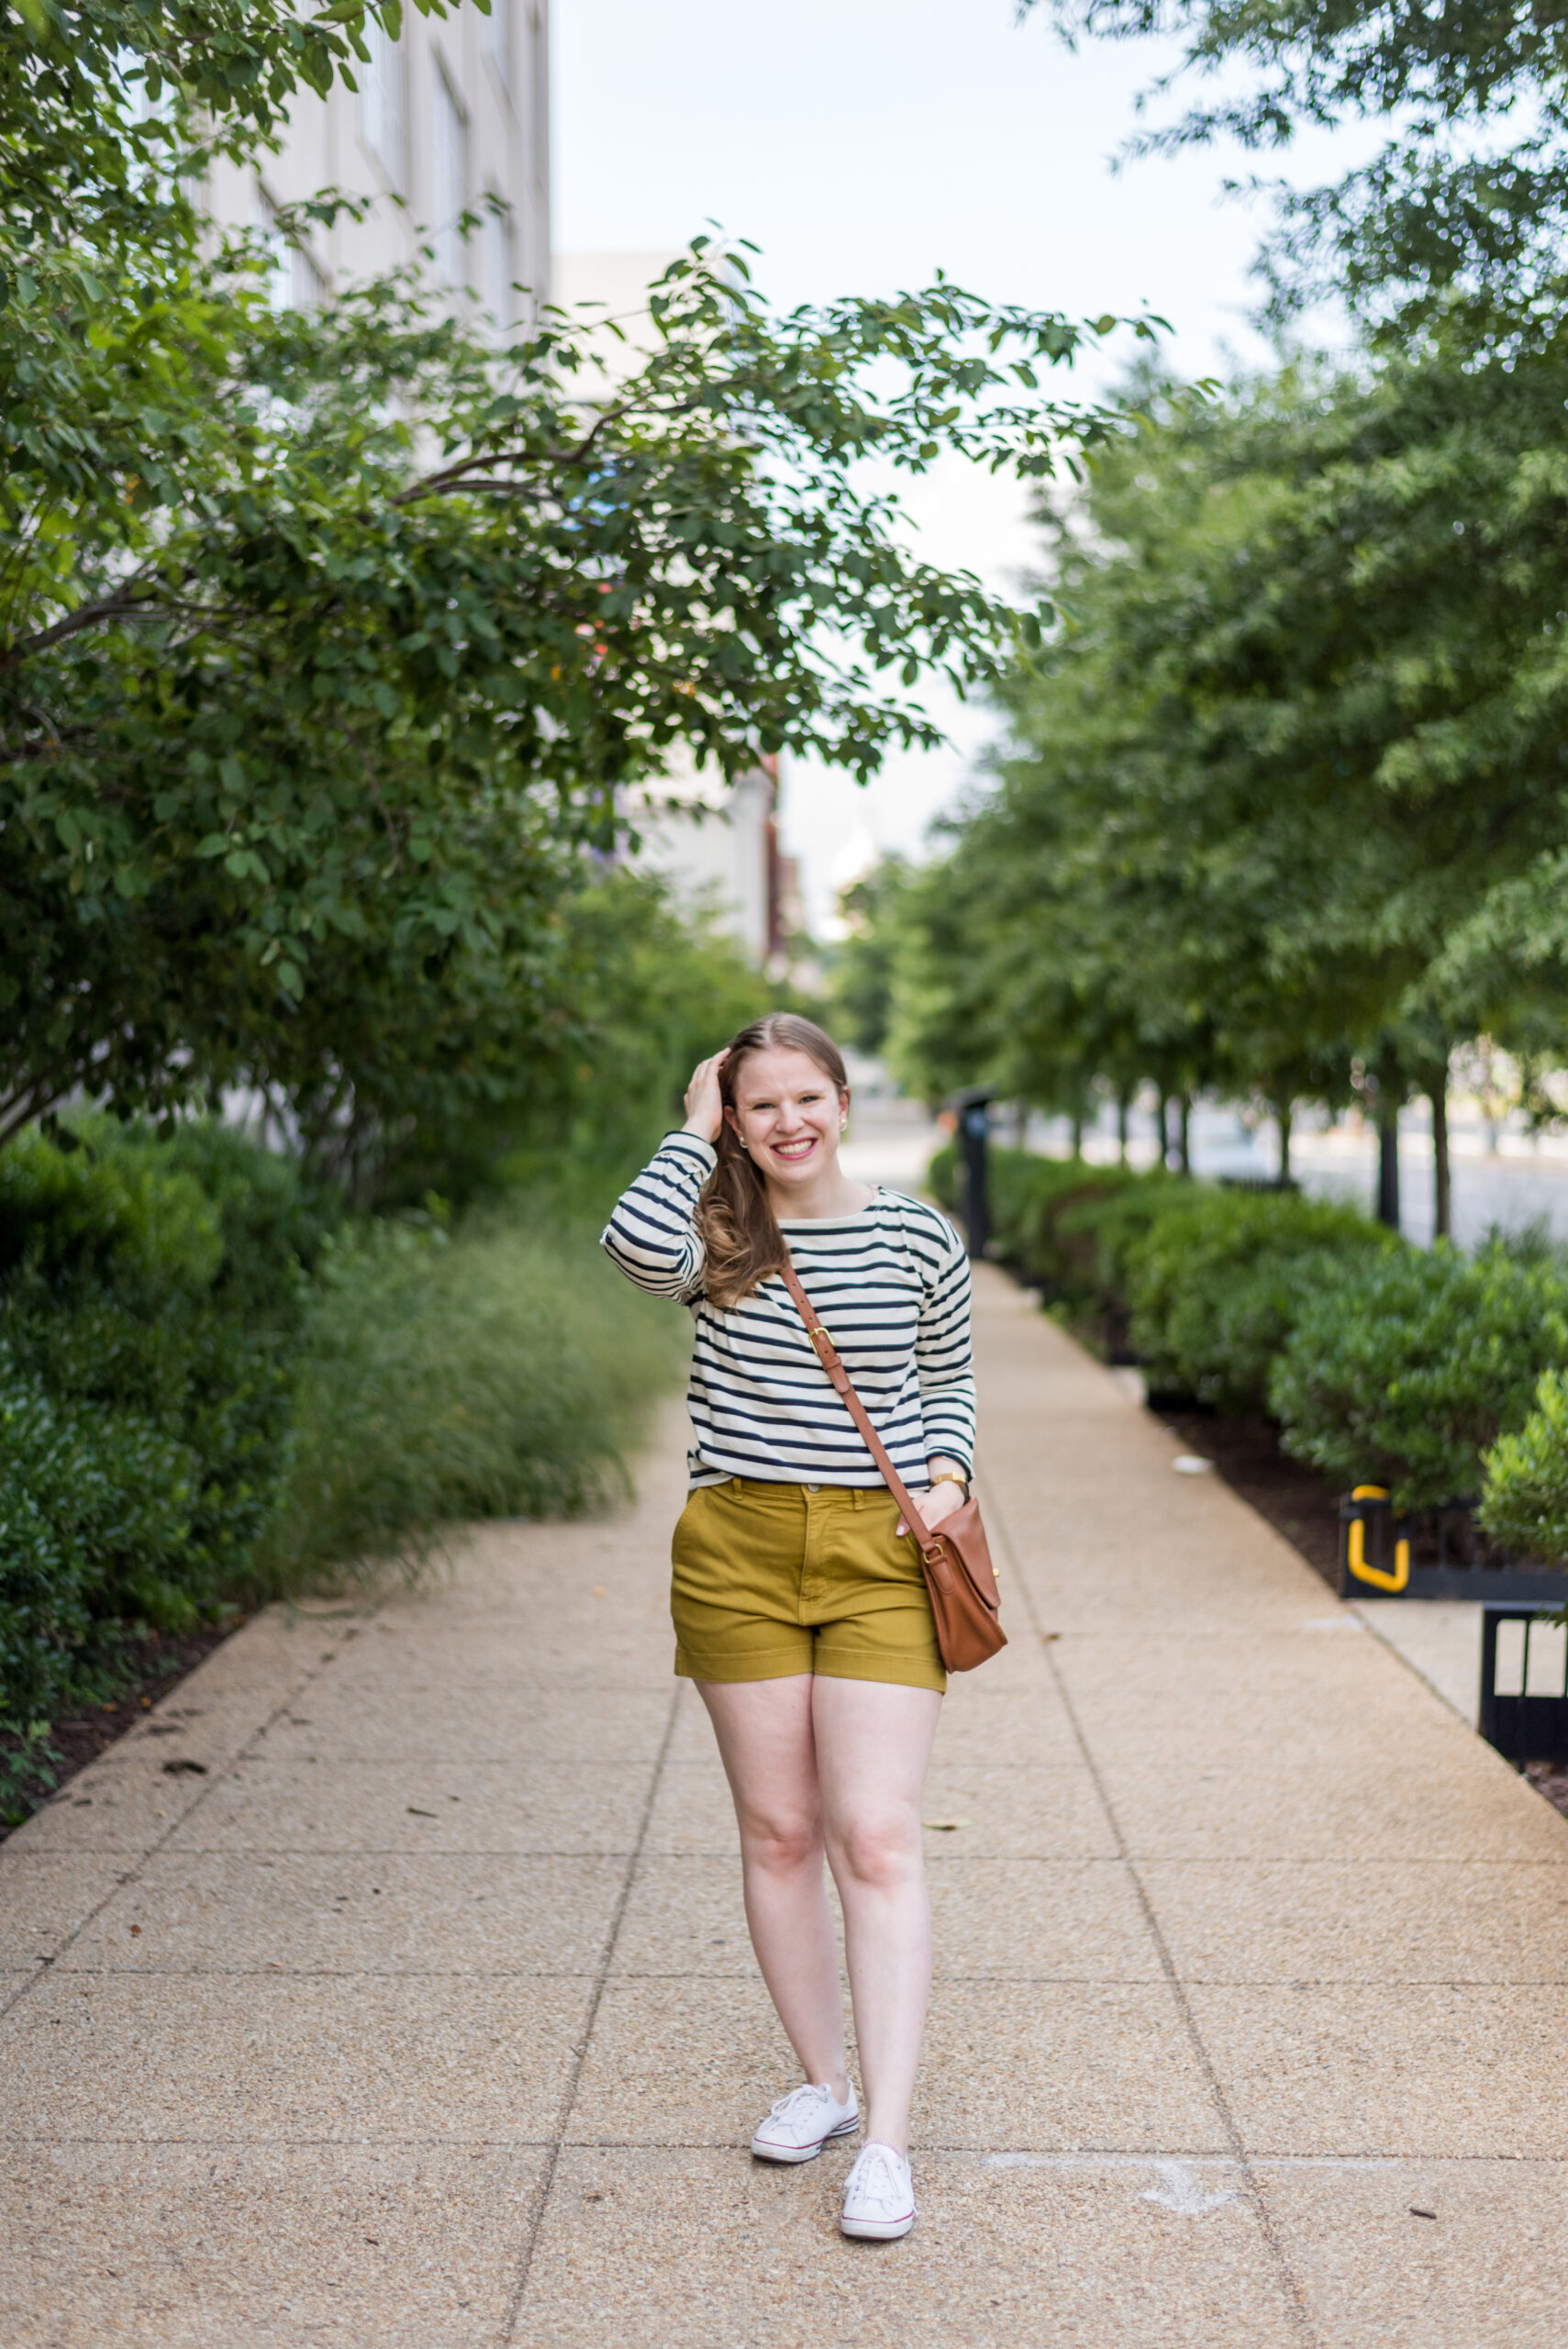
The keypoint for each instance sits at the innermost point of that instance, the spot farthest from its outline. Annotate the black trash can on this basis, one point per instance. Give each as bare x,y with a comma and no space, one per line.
972,1110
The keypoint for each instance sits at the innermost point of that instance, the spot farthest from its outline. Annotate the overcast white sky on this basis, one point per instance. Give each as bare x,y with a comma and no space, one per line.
863,143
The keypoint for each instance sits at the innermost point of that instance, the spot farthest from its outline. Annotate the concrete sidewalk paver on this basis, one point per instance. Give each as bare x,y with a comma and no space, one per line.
389,1986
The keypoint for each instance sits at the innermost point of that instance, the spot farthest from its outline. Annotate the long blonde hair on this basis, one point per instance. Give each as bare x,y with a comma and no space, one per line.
736,1224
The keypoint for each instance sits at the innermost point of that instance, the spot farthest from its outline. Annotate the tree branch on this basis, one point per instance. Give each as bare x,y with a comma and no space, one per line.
87,615
454,477
20,1109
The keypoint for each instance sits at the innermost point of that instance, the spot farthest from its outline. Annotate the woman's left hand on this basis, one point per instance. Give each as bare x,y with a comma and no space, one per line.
938,1504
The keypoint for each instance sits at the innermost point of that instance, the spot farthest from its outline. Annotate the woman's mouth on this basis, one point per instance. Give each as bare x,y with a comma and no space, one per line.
792,1153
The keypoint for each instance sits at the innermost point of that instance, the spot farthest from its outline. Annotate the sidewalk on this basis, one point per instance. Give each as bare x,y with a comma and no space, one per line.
389,1987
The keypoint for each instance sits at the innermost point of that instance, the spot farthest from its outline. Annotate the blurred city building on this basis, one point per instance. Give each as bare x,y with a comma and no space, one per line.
717,846
451,114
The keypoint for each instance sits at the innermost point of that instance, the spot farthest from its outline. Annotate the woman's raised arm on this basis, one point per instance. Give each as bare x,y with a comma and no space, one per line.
651,1235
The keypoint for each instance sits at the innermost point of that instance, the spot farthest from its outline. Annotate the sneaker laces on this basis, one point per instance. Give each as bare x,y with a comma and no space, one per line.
789,2105
877,2173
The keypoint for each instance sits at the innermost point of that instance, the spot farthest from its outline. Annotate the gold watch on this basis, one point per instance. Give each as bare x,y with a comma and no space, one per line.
951,1476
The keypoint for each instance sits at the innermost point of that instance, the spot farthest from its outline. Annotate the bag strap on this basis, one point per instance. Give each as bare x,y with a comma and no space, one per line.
829,1356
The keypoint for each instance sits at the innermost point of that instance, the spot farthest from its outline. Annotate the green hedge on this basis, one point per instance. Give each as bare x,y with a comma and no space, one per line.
1524,1501
1421,1370
1404,1370
1220,1279
95,1517
151,1296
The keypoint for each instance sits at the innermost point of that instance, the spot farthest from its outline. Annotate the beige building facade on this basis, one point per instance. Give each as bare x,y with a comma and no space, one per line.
718,847
453,114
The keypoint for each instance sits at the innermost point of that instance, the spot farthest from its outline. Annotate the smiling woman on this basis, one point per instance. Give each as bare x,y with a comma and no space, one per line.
783,1084
799,1604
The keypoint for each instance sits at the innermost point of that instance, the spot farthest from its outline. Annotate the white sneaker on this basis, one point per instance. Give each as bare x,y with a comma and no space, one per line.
801,2123
879,2197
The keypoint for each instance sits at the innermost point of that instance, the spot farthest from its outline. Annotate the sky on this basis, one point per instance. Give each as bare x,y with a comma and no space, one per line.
862,144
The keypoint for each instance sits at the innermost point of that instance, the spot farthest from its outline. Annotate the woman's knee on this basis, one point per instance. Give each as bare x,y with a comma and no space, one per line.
780,1842
880,1849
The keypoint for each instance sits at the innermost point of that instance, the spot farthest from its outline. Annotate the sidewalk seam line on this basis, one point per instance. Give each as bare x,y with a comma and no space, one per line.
1045,2156
139,1862
1295,2300
600,1980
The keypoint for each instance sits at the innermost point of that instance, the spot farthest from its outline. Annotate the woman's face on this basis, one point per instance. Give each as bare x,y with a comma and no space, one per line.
789,1113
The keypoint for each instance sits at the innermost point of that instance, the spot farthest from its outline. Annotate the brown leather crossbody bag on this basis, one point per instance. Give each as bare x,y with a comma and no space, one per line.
959,1574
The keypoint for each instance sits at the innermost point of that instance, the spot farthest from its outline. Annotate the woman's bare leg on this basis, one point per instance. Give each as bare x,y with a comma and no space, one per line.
766,1740
872,1747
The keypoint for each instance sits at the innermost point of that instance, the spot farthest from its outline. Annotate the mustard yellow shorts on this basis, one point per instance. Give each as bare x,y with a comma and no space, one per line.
773,1579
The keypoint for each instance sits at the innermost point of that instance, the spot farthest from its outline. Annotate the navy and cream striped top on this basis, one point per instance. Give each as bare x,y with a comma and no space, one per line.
890,1283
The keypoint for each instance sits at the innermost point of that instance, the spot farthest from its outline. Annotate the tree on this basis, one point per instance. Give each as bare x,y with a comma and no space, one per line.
1462,210
1122,930
330,644
872,910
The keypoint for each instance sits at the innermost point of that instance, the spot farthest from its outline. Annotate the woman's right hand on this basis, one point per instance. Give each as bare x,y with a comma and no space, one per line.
704,1103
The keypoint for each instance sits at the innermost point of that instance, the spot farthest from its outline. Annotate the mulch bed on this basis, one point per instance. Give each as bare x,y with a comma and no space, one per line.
1548,1780
171,1655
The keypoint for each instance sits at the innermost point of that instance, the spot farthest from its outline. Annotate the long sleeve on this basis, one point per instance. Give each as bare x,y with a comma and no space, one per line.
651,1235
944,1360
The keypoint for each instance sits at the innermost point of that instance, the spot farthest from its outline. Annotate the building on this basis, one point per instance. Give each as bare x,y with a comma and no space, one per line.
452,114
717,846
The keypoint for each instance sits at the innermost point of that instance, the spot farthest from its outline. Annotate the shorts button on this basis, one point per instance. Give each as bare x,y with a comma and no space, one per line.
814,1488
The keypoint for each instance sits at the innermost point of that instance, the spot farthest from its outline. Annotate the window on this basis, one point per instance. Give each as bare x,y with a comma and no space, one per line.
499,270
295,282
498,40
449,174
307,287
381,100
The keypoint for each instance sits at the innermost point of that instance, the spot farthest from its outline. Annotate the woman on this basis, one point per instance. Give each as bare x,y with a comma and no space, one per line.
799,1604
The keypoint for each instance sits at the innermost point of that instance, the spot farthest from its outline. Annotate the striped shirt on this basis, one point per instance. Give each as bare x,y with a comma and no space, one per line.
890,1283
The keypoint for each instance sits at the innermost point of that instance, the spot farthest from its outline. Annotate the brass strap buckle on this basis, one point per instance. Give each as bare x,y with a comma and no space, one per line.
820,1330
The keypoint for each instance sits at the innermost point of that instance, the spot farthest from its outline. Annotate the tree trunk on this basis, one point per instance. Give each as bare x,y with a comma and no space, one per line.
1442,1196
1020,1123
1388,1162
1162,1130
1078,1132
1286,1116
1123,1103
1185,1132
